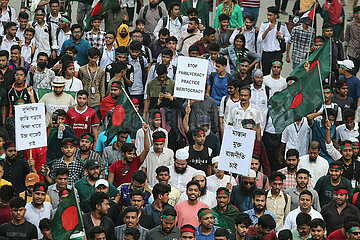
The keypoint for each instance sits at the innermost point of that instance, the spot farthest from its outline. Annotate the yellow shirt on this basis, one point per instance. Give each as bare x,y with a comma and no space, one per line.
29,198
4,182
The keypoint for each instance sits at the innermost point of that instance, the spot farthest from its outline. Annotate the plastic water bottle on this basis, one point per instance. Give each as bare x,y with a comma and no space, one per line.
60,134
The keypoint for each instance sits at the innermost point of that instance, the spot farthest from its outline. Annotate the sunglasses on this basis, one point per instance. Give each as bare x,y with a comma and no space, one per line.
248,183
355,233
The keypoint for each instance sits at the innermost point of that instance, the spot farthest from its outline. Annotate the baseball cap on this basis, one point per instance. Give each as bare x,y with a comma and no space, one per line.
92,163
347,64
101,182
31,179
182,154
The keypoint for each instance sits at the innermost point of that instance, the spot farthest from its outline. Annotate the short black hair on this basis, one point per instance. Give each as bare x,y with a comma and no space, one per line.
17,202
158,134
82,92
164,32
93,52
4,53
259,192
97,198
285,234
167,52
94,18
61,171
29,29
139,176
306,192
22,69
194,19
194,48
76,26
96,230
160,189
132,231
7,193
214,47
250,16
221,60
135,46
41,54
266,221
171,7
162,169
292,152
15,47
222,232
243,218
223,17
45,224
316,222
137,193
191,11
161,69
23,15
9,25
127,147
191,183
131,209
208,31
303,219
112,33
273,9
302,170
171,39
169,212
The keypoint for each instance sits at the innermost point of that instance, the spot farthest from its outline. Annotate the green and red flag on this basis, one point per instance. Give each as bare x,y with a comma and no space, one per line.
124,116
67,218
296,101
308,15
99,9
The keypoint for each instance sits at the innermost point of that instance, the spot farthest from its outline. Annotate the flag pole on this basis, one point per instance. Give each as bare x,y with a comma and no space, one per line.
132,104
310,40
322,90
79,211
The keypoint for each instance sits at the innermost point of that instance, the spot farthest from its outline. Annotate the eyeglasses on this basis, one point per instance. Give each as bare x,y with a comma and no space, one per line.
109,38
137,36
248,183
355,233
19,75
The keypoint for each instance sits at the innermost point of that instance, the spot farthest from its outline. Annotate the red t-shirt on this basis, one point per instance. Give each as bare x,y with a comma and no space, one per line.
123,172
81,122
270,236
5,215
337,235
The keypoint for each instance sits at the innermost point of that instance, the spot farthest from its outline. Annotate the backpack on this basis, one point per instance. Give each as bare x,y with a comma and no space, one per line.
33,48
49,32
142,65
281,42
285,197
212,78
166,18
157,64
10,14
146,8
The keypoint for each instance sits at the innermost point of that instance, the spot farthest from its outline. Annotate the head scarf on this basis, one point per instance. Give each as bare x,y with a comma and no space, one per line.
334,10
122,41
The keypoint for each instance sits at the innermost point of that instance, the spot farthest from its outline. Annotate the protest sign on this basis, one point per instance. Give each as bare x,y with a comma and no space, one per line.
191,78
30,128
236,150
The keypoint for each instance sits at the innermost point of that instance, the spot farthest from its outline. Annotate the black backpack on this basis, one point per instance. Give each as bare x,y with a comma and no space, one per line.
49,32
212,78
146,8
157,64
166,18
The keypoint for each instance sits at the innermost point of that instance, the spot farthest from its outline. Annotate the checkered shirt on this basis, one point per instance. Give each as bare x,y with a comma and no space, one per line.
290,180
76,169
96,40
300,40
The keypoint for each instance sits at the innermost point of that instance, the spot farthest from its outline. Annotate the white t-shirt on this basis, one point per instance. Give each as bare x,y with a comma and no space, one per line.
74,84
237,114
275,85
225,107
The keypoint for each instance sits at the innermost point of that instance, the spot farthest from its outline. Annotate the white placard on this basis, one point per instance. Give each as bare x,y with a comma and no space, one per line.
191,78
30,127
236,150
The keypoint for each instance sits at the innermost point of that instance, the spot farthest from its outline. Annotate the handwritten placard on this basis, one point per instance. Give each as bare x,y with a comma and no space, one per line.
30,128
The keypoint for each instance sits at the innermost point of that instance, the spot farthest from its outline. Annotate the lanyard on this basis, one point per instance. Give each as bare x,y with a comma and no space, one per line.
112,60
92,79
72,81
222,41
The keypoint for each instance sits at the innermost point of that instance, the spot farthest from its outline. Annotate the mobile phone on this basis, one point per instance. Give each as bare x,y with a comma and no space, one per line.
163,89
55,117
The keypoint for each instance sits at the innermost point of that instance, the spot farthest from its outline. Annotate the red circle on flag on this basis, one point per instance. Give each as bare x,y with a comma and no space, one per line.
297,100
314,64
118,116
69,218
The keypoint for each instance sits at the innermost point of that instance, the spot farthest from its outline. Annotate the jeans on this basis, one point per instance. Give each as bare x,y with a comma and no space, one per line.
283,5
253,11
267,59
82,11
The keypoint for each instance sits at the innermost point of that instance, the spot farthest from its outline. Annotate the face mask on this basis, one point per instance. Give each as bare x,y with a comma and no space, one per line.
123,35
190,30
42,65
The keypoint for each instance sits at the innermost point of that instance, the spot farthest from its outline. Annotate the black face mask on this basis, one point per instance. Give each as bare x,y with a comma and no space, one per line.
123,35
42,65
153,5
190,30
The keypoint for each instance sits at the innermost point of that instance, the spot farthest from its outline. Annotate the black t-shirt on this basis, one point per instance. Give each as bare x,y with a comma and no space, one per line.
15,173
200,160
24,231
113,212
343,103
9,79
14,95
145,220
3,101
110,71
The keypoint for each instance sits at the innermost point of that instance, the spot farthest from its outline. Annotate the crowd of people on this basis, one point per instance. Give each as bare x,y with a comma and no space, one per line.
160,178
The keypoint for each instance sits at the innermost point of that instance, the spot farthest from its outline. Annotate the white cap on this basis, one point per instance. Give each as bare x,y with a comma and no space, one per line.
101,182
347,64
252,173
199,172
182,154
215,159
353,139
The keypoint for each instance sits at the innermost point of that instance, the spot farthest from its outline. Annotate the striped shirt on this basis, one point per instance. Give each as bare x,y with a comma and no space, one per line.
251,3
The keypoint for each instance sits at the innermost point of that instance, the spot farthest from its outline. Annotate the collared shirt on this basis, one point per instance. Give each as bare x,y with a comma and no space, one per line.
317,168
41,80
271,42
201,236
290,222
6,44
93,155
61,38
107,57
294,194
156,234
213,182
9,15
96,40
76,169
120,230
255,218
155,213
83,46
43,38
224,109
342,133
53,193
93,83
212,66
174,27
259,100
152,75
352,34
290,180
301,40
296,235
111,154
178,180
28,53
153,161
138,87
106,223
237,114
250,38
297,136
139,140
279,206
20,34
34,215
15,173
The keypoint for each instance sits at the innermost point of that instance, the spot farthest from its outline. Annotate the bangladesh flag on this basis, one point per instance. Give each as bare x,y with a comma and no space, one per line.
100,8
67,218
124,116
321,56
296,101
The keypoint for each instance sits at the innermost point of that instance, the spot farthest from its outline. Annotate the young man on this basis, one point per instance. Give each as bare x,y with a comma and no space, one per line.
161,197
173,22
242,224
19,91
82,118
95,36
341,98
223,34
151,17
205,41
242,75
206,229
214,53
305,202
250,32
28,47
219,178
38,209
121,171
345,68
166,58
302,229
167,228
318,229
187,210
335,211
8,74
189,37
292,161
163,176
131,220
158,45
264,228
137,35
10,39
17,60
85,151
272,33
224,213
351,39
53,17
328,95
76,169
259,203
63,32
72,84
278,202
18,226
61,182
40,77
108,50
23,19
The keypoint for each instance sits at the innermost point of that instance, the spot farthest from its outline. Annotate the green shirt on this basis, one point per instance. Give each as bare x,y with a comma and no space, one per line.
85,189
154,87
296,235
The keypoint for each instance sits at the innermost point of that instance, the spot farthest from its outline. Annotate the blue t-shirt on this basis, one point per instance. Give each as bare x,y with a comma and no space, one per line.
102,140
83,46
319,134
354,88
219,87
